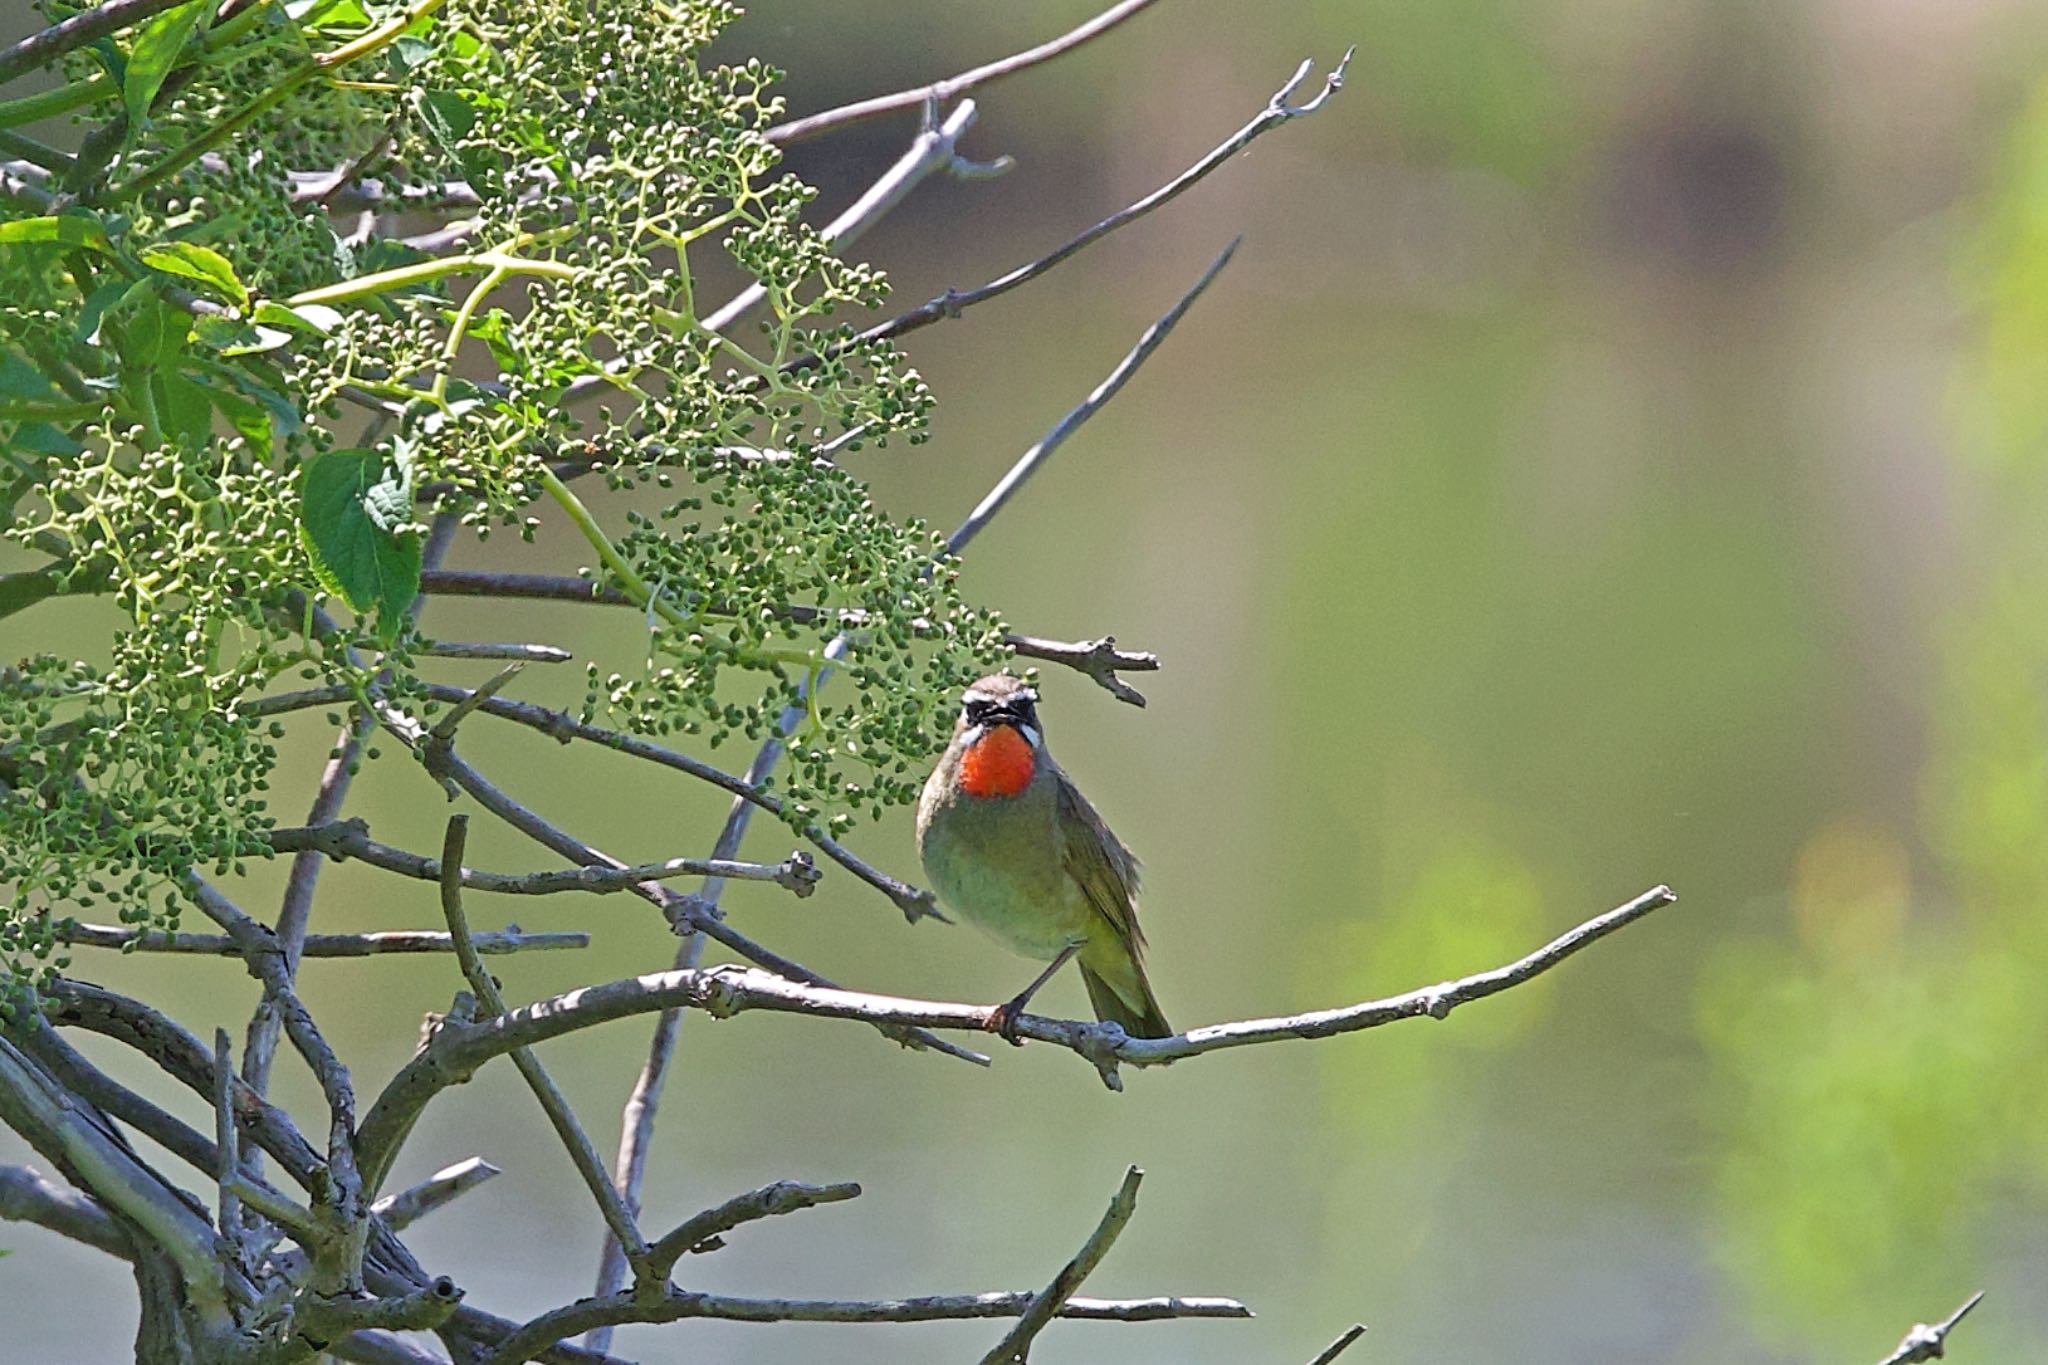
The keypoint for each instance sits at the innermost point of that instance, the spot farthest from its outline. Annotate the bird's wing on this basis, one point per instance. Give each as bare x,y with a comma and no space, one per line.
1098,862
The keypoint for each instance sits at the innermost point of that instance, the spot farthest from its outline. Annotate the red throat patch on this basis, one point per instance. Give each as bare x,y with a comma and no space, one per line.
1000,763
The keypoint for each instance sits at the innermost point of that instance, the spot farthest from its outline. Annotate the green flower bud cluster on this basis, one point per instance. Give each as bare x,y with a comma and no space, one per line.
188,341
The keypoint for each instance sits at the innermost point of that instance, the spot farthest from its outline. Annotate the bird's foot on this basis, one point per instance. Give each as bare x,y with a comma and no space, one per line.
1002,1020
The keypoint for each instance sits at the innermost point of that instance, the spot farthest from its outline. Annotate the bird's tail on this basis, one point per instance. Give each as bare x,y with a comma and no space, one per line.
1118,990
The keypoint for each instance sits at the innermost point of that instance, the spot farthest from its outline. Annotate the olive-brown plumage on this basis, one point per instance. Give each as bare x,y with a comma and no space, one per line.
1017,851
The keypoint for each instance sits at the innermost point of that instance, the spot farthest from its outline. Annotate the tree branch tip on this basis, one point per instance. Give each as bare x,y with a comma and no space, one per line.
799,874
1340,1345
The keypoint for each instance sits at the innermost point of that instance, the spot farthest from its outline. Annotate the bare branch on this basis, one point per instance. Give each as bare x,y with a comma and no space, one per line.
1340,1345
266,962
444,728
69,1068
951,303
226,1171
704,1231
406,1207
1930,1341
296,912
457,1050
677,1304
1098,659
682,912
1015,1347
490,943
37,1108
478,649
351,839
490,1004
421,1310
260,1043
534,586
783,134
1029,462
27,1196
43,47
162,1040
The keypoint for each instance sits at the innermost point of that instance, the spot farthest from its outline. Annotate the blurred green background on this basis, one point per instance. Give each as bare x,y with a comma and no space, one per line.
1618,455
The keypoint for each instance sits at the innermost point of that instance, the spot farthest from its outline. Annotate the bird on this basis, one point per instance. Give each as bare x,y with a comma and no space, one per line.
1011,846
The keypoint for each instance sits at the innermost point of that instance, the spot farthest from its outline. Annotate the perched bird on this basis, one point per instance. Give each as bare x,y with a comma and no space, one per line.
1012,847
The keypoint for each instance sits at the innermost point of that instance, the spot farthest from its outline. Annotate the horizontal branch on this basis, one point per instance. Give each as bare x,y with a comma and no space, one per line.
494,942
617,1309
457,1050
485,649
1099,659
923,96
351,839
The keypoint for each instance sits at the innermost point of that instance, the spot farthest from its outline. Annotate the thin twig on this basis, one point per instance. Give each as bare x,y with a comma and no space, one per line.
705,1231
490,943
677,1304
351,839
1098,659
1015,1347
408,1206
443,731
1340,1345
490,1004
259,1047
1930,1341
782,134
480,649
1029,462
914,902
266,962
951,303
296,912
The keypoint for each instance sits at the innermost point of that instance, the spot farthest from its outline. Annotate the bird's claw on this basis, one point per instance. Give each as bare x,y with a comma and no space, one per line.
1002,1020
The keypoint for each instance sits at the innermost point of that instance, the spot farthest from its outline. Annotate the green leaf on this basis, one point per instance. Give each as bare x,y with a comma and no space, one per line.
186,410
315,318
350,503
189,260
70,229
232,336
245,415
324,16
149,330
156,49
24,381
